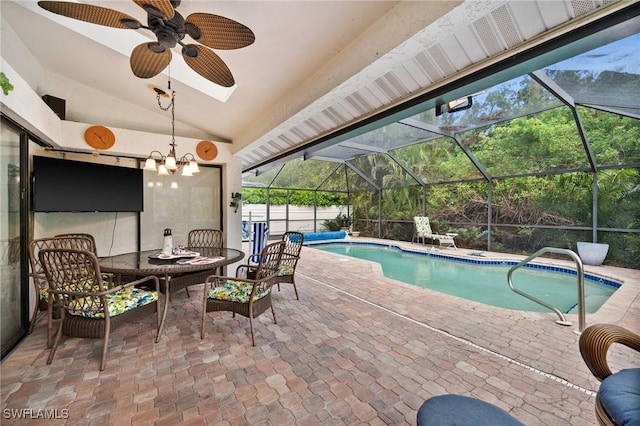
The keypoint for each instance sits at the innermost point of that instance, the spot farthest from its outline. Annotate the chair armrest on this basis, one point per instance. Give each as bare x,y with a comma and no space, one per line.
595,342
219,280
245,270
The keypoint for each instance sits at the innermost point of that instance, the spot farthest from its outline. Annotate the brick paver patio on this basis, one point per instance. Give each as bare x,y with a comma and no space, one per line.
356,349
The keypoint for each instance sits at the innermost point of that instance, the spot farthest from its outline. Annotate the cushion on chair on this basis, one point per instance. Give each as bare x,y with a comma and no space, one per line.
620,396
107,280
236,291
450,410
285,270
118,303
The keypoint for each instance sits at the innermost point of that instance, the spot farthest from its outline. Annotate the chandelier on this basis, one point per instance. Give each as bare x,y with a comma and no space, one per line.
170,164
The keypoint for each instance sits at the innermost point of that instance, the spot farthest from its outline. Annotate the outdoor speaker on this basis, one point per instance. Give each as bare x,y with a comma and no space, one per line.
57,105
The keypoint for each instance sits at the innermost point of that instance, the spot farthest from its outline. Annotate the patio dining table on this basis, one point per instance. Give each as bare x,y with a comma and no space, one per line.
175,274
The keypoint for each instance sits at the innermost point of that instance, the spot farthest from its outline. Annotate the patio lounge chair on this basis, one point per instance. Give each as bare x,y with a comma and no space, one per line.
259,238
89,308
244,296
618,398
423,230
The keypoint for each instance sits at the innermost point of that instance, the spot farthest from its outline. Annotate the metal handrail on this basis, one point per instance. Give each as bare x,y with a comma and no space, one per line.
580,278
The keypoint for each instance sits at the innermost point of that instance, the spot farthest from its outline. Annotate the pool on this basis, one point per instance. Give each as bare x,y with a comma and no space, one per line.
483,281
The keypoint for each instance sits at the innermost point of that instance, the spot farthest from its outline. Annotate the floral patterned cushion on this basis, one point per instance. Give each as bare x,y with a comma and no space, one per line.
118,303
423,227
107,281
285,270
236,291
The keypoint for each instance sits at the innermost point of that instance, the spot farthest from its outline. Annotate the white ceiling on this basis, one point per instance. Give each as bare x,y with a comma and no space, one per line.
316,66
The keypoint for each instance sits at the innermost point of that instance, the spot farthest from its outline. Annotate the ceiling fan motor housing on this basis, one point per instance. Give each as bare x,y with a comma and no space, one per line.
168,32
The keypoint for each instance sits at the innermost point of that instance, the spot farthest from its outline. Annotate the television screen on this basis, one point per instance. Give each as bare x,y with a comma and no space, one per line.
75,186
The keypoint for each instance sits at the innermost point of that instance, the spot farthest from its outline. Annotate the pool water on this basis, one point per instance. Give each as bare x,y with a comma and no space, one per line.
484,283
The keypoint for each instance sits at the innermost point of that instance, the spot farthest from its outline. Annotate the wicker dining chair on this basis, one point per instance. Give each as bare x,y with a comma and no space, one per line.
41,286
87,307
244,296
618,398
209,238
205,238
290,257
90,237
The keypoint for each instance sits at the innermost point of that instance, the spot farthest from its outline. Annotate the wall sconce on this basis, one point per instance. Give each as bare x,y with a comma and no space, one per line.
236,199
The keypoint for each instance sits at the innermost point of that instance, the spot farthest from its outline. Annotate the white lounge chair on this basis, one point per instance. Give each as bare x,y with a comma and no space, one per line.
423,230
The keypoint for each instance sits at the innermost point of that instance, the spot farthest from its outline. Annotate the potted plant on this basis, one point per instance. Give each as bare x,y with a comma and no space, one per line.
344,221
592,253
353,223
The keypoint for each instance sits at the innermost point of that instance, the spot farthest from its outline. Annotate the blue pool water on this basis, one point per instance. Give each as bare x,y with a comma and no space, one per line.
482,281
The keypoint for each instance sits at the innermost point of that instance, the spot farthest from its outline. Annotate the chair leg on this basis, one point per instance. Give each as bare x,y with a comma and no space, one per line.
293,281
105,343
253,339
50,309
204,310
36,311
159,319
57,340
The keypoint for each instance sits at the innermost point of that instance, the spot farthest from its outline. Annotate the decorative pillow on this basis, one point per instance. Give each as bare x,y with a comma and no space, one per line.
236,291
118,303
620,396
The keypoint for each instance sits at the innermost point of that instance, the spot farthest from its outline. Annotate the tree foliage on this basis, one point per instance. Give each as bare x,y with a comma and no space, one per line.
540,176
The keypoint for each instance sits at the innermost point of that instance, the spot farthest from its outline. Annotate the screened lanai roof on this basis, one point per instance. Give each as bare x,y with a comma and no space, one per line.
606,78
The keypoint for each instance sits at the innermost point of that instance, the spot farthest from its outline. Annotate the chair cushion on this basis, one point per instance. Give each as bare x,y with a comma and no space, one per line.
450,410
285,270
236,291
107,282
620,396
118,303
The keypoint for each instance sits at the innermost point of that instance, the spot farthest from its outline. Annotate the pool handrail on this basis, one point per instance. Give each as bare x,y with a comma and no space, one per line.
580,279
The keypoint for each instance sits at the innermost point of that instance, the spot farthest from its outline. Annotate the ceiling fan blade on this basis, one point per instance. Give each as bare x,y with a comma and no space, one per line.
209,65
147,62
89,13
218,32
154,6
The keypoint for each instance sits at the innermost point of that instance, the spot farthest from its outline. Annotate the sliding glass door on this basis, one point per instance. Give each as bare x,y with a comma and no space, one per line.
13,293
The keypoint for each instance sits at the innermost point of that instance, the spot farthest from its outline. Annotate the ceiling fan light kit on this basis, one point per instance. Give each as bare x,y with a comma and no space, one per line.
149,59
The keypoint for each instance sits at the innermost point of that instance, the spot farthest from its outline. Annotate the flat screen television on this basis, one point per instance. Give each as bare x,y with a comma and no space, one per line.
74,186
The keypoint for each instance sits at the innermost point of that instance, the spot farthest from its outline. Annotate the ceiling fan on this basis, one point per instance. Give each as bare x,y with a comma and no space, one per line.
170,28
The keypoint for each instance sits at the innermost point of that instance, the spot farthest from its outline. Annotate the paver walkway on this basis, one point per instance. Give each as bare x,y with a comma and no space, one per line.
356,349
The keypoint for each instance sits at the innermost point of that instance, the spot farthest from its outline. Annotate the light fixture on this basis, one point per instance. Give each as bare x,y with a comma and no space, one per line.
455,105
170,163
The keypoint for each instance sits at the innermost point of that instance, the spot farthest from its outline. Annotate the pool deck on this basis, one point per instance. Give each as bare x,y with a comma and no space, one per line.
356,349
